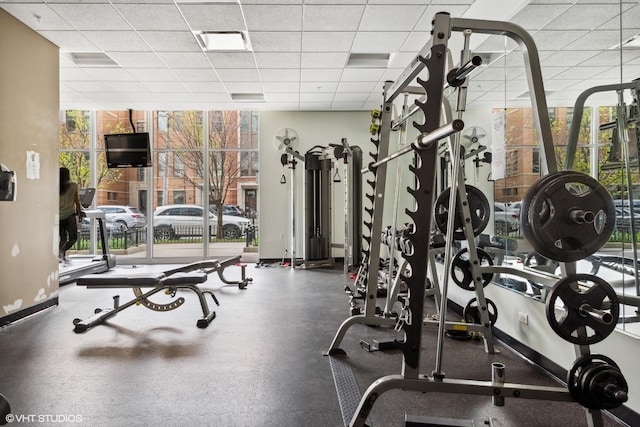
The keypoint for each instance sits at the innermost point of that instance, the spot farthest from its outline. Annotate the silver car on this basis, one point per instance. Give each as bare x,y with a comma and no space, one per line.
126,216
173,221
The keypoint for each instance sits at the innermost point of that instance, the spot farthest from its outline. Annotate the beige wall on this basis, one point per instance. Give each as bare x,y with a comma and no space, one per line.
29,104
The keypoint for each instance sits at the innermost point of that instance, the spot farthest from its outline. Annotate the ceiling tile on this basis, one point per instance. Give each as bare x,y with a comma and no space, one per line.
163,87
198,87
275,42
74,74
213,17
600,40
359,74
171,41
332,18
320,74
277,60
121,41
91,16
281,86
184,59
38,16
109,74
238,75
126,86
243,87
536,17
273,17
327,42
316,97
195,74
324,60
232,59
569,57
280,75
357,86
137,59
556,40
165,17
318,87
583,17
70,41
378,42
153,74
292,96
391,17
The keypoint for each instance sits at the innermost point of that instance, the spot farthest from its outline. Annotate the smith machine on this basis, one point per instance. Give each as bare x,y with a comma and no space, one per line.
566,217
318,176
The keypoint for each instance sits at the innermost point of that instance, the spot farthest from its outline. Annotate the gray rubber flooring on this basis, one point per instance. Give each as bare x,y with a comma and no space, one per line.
259,363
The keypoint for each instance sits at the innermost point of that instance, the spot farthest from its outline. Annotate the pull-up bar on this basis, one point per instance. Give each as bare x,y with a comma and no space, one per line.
422,141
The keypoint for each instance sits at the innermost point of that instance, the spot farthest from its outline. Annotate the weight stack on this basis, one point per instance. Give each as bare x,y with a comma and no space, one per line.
317,207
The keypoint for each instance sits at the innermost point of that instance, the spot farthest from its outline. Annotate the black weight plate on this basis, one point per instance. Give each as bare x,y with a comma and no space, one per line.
587,375
478,207
570,320
461,269
471,312
553,212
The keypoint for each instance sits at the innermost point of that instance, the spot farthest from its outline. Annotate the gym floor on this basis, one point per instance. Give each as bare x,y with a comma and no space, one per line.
259,363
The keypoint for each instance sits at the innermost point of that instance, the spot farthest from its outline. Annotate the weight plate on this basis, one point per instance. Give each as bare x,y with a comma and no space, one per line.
471,312
583,309
567,216
461,269
596,382
479,210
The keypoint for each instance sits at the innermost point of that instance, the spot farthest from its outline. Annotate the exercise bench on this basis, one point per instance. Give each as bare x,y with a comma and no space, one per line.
184,277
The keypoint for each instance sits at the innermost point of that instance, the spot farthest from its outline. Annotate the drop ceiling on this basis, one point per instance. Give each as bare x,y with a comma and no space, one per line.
300,50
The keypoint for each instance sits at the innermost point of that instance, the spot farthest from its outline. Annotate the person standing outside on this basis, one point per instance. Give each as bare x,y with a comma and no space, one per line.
70,213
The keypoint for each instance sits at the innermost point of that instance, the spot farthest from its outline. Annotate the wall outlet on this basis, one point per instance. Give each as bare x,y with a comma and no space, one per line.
523,317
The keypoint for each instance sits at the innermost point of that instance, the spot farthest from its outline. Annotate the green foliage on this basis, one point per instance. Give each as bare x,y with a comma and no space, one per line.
74,137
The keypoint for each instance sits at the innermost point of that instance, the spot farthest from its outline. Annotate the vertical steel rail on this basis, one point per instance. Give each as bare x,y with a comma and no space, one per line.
534,77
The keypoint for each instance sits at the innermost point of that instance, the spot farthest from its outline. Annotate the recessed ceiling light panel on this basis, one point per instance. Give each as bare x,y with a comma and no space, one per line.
247,97
223,41
368,60
92,59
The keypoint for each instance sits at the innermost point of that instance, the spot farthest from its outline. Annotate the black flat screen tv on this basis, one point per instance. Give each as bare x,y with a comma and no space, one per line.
128,150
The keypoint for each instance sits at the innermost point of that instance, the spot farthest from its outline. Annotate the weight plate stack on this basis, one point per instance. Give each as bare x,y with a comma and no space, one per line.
596,382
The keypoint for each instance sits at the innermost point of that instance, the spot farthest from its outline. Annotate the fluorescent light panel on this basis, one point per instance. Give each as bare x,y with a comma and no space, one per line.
247,97
93,59
223,41
632,42
368,60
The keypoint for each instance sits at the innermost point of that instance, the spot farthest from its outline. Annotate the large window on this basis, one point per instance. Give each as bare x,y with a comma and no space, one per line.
193,164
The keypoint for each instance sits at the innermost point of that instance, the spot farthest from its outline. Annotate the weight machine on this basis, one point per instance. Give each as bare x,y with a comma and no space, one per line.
594,381
318,176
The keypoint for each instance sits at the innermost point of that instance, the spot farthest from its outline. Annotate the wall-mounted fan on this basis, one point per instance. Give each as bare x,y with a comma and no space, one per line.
285,138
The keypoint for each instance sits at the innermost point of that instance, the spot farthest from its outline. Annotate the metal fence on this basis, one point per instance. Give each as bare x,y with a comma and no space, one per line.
129,238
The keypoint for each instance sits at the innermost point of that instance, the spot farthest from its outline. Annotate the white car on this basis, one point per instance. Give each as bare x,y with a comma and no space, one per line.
126,216
173,221
506,220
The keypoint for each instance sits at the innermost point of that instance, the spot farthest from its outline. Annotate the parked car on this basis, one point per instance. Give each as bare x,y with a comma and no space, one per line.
515,206
623,220
127,216
111,228
172,221
506,220
232,210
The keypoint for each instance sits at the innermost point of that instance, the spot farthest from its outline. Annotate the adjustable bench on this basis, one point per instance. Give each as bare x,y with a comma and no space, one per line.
185,277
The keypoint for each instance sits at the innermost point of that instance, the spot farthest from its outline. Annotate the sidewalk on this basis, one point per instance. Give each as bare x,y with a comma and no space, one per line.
195,250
